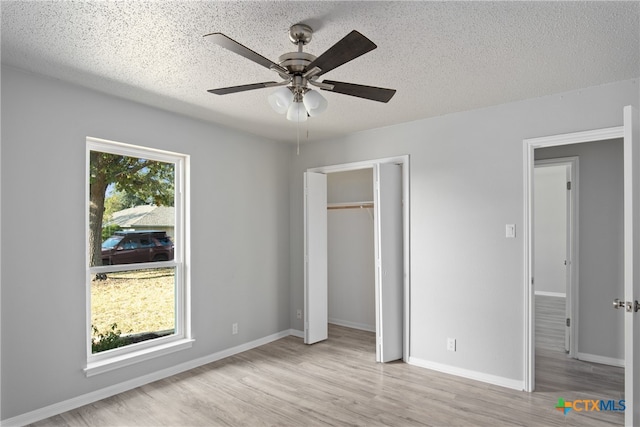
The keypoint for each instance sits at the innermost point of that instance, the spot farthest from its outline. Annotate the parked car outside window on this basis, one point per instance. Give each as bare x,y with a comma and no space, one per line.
129,246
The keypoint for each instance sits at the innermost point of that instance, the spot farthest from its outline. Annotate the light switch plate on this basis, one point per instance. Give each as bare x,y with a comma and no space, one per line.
511,231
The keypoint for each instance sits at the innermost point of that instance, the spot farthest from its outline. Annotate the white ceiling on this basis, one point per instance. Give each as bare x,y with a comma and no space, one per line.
442,57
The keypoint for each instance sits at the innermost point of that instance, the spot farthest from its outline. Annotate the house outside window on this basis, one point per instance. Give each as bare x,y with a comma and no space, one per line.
137,286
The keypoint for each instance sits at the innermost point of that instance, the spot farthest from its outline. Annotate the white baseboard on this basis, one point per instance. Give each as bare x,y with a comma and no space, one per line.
94,396
466,373
586,357
551,294
353,325
296,333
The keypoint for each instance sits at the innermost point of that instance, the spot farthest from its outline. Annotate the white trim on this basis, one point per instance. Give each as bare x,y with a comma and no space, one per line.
136,266
352,325
631,263
576,137
296,333
528,160
0,274
130,358
107,146
466,373
94,396
586,357
551,294
406,218
364,164
106,361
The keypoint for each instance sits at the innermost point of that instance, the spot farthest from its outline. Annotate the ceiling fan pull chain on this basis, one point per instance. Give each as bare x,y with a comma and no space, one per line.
298,133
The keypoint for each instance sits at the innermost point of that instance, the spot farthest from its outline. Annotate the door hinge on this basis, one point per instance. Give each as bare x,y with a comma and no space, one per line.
568,185
568,321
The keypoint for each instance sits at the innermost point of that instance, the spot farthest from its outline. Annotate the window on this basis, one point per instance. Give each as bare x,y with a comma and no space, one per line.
137,301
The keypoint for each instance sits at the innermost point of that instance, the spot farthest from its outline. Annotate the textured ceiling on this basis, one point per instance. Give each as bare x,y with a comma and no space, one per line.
442,57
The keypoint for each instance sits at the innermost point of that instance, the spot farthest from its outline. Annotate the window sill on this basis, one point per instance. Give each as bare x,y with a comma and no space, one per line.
116,362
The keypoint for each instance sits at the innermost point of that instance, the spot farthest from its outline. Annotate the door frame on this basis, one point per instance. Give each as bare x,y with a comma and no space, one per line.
572,245
529,145
402,160
631,124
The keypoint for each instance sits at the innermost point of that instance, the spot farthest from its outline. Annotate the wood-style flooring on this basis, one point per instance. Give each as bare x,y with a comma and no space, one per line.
571,379
338,383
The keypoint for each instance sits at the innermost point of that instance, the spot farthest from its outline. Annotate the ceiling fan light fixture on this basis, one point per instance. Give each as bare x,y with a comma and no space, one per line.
314,103
297,69
280,100
297,112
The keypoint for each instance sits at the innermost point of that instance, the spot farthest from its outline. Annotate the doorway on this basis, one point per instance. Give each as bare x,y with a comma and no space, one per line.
594,367
630,134
391,237
598,264
556,266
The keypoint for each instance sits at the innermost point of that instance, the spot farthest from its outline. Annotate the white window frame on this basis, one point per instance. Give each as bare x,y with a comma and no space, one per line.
134,353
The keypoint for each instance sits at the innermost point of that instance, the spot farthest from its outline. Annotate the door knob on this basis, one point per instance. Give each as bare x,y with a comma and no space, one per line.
628,306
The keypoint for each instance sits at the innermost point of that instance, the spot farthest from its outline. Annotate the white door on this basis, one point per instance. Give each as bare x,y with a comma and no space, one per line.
389,261
568,246
551,203
631,265
316,306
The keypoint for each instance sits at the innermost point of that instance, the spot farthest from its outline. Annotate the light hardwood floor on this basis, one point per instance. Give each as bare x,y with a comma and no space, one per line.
566,377
336,382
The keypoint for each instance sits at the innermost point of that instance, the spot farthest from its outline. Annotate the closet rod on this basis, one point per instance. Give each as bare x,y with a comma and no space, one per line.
351,206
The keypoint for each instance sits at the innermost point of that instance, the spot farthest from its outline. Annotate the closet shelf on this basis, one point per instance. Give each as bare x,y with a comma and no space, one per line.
350,205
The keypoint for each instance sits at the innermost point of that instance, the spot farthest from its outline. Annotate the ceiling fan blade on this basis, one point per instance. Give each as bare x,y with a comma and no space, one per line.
235,47
350,47
242,88
367,92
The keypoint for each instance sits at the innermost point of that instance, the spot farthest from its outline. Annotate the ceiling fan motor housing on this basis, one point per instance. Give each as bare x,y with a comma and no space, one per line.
296,62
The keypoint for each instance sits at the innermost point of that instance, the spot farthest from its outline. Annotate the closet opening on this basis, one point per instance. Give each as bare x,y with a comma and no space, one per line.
357,253
350,249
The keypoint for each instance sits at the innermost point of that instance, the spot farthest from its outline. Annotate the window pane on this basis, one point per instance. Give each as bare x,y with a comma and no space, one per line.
131,209
140,303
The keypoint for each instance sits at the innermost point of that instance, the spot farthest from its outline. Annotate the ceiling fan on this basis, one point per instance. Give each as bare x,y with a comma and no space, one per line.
299,70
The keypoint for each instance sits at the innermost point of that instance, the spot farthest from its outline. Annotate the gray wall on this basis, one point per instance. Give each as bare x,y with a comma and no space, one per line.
351,251
550,231
466,184
350,186
239,246
601,329
466,172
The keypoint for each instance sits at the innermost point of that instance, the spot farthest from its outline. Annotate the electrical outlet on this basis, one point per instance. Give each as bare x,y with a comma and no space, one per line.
451,344
234,329
299,314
